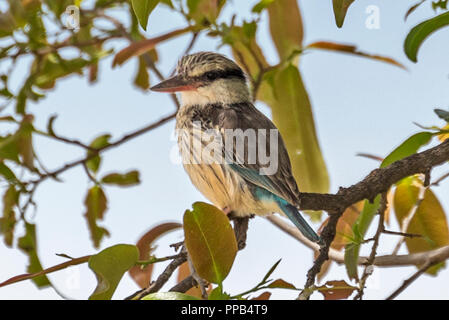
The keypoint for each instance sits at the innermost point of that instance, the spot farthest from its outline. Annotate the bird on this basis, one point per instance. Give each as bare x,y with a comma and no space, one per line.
216,109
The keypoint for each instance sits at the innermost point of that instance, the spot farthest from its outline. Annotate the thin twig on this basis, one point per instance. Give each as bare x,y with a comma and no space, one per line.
410,280
58,267
413,259
163,277
403,234
184,285
327,237
124,139
369,265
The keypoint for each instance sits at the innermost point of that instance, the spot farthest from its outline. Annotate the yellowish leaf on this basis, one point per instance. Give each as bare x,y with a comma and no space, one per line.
429,219
210,241
286,27
292,114
444,136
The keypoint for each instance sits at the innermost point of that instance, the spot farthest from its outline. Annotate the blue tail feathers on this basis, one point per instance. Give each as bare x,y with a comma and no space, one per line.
290,211
295,216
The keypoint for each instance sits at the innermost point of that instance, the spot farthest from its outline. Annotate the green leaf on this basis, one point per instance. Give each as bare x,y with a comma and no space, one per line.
96,205
218,294
419,33
210,241
127,179
442,4
273,267
359,228
109,266
407,148
25,141
429,219
142,79
292,114
100,142
169,296
9,148
27,243
54,67
8,220
284,13
143,9
340,10
261,5
7,173
204,12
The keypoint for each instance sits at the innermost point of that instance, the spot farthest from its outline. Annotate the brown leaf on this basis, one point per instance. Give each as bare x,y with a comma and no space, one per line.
96,206
184,272
344,226
343,234
335,290
264,296
346,48
93,73
140,47
143,276
280,283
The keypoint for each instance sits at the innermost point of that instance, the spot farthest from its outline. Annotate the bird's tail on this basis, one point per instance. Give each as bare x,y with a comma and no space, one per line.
295,216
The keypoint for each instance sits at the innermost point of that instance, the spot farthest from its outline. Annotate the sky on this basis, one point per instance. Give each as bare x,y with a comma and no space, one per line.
359,105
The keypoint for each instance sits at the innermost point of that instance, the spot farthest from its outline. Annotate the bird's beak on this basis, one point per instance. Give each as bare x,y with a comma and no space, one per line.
174,84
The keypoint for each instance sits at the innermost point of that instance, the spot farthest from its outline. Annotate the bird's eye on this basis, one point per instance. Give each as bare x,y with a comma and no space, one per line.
211,76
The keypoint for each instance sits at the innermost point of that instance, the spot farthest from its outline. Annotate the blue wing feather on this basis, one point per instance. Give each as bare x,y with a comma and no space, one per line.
262,192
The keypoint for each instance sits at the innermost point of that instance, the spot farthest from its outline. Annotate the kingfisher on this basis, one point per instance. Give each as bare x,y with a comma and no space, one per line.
223,139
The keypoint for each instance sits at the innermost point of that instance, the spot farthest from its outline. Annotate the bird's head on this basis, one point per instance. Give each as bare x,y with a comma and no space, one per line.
205,78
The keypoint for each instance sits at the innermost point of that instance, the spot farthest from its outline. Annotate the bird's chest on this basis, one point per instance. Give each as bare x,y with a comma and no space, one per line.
201,153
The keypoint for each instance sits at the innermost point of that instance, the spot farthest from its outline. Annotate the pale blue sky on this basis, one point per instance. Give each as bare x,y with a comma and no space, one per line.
359,106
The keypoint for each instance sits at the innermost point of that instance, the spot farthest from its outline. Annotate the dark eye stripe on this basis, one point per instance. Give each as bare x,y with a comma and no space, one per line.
221,74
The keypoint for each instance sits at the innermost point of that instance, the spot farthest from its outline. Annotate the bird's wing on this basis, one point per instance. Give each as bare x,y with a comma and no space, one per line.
245,116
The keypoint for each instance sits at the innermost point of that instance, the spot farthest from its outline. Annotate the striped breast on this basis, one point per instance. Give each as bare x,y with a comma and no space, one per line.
201,152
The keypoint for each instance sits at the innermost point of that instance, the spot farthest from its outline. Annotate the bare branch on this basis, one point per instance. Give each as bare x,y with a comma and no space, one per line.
377,182
369,265
163,277
124,139
409,281
413,259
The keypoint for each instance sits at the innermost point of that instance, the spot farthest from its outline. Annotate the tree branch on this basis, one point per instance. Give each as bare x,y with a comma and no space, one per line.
369,266
378,181
409,281
440,254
